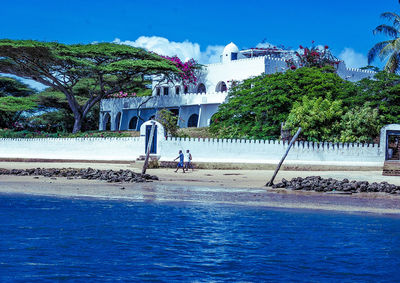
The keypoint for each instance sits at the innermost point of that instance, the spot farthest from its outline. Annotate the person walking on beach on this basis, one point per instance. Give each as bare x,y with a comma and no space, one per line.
181,163
188,161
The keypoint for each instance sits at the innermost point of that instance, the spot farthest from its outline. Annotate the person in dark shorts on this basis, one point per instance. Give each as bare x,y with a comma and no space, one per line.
181,162
188,162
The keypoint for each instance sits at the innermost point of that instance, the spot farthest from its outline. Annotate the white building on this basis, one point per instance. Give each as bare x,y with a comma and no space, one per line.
195,105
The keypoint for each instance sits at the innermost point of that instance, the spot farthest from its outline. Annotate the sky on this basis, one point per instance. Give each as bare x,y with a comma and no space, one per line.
200,29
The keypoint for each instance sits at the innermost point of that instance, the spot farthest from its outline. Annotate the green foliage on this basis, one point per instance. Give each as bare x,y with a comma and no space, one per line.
256,107
7,133
193,132
169,121
383,93
360,124
318,117
16,104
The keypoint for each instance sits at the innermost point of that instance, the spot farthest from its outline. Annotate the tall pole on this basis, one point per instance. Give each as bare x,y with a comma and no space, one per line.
149,143
271,182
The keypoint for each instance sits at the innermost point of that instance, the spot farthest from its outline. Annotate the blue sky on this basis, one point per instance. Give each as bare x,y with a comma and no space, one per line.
201,28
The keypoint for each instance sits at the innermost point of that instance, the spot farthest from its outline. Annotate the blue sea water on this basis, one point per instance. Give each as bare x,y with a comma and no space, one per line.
61,239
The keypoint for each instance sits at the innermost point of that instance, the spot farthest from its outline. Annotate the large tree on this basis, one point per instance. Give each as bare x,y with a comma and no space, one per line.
388,49
111,68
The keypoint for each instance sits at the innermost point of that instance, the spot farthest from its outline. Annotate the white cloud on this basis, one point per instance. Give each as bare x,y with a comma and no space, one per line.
184,50
352,58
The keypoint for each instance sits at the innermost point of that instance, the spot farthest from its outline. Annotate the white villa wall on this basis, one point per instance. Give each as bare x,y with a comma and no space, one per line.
73,149
256,151
237,70
128,107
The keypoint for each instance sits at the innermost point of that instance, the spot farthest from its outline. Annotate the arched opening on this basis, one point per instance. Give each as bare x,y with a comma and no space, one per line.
107,122
193,120
117,120
201,88
177,89
133,123
185,89
221,87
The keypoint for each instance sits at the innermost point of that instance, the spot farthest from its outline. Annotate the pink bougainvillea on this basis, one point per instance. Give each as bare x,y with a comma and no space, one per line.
312,57
187,74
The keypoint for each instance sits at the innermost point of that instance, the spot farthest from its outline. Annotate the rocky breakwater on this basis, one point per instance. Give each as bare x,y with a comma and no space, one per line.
110,176
318,184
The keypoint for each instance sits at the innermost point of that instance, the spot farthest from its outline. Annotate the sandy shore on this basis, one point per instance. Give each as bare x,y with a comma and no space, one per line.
243,187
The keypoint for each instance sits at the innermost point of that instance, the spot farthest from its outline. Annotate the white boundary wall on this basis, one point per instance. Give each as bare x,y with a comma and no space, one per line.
256,151
73,148
203,150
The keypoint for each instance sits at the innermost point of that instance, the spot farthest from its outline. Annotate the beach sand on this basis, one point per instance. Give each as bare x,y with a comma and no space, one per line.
241,187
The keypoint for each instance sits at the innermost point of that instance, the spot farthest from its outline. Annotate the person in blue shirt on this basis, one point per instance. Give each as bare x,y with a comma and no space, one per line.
181,162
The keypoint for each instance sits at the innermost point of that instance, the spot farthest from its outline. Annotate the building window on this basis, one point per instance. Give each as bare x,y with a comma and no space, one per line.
186,89
193,120
133,123
201,88
234,56
158,91
166,90
221,87
177,89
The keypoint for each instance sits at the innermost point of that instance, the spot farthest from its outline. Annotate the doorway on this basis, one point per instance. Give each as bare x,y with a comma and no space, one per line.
393,146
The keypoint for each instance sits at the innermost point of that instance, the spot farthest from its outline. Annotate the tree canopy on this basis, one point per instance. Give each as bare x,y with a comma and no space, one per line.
256,107
327,107
110,67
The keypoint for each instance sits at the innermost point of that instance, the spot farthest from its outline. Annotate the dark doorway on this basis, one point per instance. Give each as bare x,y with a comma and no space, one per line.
133,123
107,122
193,120
393,145
174,111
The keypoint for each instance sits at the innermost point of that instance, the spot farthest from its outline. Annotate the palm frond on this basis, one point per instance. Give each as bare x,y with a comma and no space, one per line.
391,17
393,63
388,30
387,50
374,51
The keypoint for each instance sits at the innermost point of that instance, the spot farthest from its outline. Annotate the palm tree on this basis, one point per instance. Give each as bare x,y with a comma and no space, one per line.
389,48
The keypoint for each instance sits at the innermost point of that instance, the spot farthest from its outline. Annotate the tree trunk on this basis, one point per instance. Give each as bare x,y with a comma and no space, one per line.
271,182
77,124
